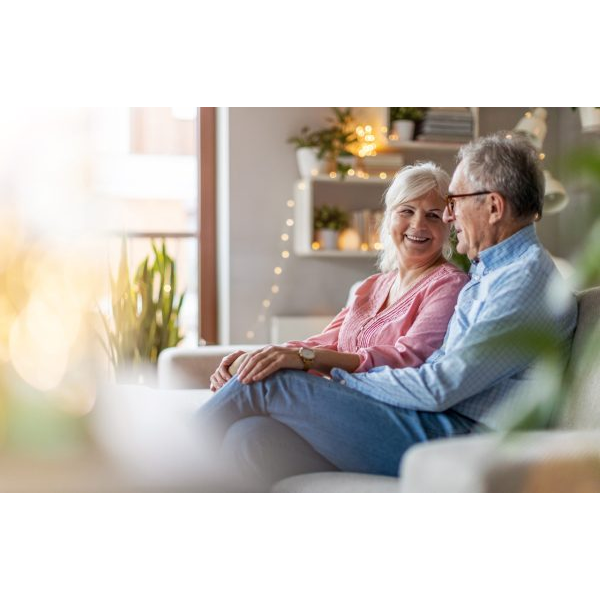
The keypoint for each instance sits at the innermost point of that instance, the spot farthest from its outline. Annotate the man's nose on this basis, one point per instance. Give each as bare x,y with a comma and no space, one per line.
447,217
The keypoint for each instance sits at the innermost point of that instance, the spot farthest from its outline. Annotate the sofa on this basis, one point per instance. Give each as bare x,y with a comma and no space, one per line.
564,459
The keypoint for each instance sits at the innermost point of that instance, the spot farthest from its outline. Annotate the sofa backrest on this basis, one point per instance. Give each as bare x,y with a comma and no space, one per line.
583,410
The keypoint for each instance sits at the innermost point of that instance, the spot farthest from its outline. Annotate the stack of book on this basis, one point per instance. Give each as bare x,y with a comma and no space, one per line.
447,125
367,222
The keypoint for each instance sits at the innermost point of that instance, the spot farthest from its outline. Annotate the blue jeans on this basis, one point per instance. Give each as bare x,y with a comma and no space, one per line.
315,424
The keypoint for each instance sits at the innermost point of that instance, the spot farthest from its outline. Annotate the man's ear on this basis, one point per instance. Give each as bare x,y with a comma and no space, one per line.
497,207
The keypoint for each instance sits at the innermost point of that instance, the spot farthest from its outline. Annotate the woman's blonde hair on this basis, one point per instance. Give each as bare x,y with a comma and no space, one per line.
412,181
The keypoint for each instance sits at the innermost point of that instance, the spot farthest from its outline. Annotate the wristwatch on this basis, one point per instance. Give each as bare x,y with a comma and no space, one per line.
308,357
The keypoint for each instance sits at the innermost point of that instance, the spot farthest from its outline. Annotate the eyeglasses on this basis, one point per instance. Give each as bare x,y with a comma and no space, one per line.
450,202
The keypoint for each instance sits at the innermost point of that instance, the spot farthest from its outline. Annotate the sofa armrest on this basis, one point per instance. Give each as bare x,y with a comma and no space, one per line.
185,368
542,461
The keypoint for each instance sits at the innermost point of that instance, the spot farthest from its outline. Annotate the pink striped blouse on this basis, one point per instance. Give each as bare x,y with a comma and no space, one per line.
401,335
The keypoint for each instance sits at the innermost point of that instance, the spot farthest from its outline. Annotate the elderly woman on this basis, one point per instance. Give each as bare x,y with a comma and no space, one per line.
397,318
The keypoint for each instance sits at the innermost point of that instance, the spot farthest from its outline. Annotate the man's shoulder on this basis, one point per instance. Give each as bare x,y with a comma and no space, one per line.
532,267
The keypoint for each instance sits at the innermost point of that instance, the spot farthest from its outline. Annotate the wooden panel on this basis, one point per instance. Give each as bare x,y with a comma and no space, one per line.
207,251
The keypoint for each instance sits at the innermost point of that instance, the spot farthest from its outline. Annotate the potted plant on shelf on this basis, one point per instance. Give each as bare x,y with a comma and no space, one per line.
307,150
328,222
336,140
403,122
329,146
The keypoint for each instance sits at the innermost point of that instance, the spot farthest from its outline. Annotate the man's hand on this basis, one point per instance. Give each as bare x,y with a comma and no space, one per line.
222,375
264,362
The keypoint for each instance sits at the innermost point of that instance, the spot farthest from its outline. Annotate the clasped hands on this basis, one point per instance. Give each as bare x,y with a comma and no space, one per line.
256,365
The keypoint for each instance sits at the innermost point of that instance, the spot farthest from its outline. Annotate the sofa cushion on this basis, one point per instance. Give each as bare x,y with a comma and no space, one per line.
338,482
582,411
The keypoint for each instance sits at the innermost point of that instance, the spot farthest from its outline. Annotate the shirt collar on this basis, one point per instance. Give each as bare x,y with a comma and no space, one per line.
506,251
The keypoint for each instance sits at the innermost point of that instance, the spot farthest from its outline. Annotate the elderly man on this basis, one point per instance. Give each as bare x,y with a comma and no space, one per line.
294,422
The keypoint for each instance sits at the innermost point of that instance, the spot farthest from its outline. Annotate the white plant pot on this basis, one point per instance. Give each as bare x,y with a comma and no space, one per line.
404,130
308,163
590,119
328,239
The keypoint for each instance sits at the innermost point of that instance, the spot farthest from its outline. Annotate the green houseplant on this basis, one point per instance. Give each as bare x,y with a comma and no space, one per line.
328,221
145,312
307,150
330,145
336,140
403,121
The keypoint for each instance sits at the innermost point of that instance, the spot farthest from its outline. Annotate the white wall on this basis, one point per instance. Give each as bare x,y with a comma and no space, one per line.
262,170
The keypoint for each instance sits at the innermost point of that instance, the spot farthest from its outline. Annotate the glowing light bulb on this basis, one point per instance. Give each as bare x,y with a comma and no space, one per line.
351,172
383,175
275,289
378,245
277,270
332,174
167,288
315,245
266,303
250,335
285,237
290,203
285,254
289,222
542,156
301,185
364,247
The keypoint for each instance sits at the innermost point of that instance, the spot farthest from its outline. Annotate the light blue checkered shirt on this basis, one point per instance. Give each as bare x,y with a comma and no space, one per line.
469,373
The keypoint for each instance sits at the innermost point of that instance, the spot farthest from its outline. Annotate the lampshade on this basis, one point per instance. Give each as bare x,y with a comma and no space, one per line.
533,125
555,196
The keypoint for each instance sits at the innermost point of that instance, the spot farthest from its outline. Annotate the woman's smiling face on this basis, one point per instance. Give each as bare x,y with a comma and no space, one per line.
418,230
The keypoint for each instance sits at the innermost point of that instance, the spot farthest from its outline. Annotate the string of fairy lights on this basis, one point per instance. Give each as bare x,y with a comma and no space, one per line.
284,254
366,146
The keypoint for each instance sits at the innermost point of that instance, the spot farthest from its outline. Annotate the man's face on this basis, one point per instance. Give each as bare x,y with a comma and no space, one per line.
470,219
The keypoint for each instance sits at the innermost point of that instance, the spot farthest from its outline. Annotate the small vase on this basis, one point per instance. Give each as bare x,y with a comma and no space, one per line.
308,162
404,129
590,119
328,239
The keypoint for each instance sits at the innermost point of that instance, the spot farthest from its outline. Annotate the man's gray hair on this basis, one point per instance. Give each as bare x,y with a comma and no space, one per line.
412,181
506,163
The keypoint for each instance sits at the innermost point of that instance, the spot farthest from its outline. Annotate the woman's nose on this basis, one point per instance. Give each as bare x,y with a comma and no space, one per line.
418,219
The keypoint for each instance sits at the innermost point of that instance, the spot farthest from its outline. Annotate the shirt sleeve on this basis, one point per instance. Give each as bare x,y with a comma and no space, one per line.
327,339
488,353
427,331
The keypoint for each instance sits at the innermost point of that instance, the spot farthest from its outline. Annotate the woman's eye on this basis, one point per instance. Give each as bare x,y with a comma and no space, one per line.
433,216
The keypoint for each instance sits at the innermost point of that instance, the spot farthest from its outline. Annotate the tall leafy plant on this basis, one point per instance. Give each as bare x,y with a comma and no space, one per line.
145,311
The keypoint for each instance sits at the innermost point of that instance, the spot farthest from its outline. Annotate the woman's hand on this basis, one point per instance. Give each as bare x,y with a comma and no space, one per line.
264,362
222,375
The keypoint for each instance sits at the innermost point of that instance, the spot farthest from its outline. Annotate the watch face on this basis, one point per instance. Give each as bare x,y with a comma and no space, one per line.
307,353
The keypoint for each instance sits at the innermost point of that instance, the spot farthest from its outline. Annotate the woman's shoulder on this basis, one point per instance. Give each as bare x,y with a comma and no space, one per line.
374,281
447,274
366,290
